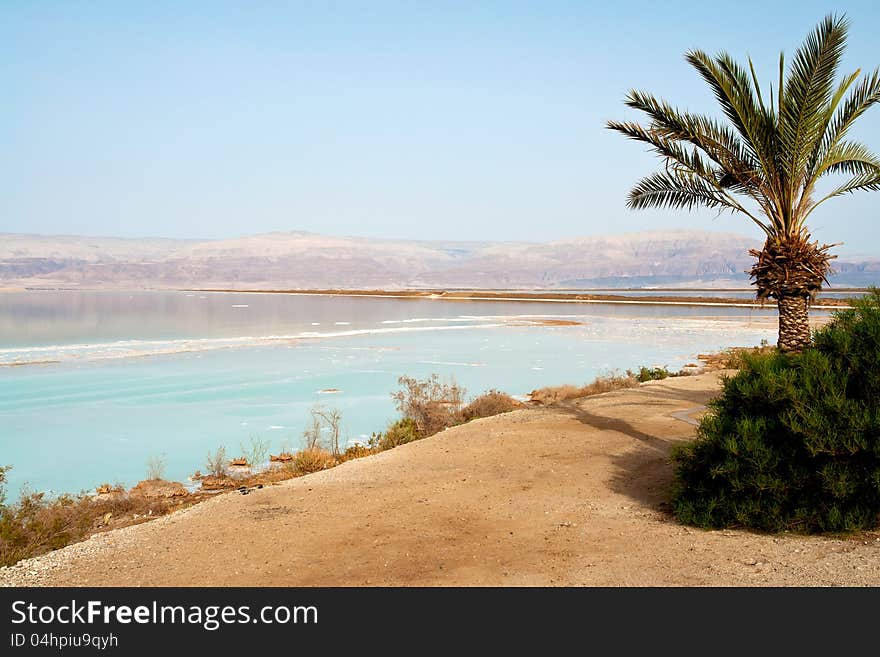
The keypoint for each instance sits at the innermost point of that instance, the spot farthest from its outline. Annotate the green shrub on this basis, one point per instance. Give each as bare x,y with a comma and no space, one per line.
793,442
852,339
652,374
401,432
356,451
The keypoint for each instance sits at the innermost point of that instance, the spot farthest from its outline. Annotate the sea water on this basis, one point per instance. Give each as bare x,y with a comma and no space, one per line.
93,384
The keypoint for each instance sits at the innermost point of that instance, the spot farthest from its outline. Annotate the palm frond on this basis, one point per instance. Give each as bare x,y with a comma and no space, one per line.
808,91
829,117
670,148
681,189
850,158
738,102
665,189
737,170
860,100
868,181
720,144
771,150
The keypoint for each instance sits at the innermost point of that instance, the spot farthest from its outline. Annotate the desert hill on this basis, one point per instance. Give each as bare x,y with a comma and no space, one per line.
306,260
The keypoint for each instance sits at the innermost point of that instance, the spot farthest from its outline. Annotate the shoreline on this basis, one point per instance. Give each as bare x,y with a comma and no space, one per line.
43,355
569,495
538,297
239,475
203,345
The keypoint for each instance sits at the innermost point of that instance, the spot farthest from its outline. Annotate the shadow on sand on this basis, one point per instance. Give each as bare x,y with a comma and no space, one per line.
644,475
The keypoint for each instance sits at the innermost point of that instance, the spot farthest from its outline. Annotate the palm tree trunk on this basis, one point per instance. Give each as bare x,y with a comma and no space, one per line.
794,323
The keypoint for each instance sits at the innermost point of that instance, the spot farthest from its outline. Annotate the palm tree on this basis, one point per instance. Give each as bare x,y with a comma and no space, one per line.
767,160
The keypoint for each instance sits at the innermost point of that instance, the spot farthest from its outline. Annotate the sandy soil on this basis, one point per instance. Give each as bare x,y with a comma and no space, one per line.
571,495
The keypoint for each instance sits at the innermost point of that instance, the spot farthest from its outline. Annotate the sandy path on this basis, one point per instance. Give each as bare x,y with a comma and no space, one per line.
560,496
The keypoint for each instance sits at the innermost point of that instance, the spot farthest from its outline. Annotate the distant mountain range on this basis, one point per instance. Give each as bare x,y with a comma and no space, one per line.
306,260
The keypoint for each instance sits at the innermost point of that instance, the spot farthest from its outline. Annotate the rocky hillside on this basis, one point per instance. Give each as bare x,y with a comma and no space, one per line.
306,260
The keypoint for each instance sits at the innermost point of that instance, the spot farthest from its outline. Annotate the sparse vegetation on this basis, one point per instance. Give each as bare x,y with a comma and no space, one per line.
651,374
488,404
3,470
311,460
312,433
356,452
793,442
400,432
216,464
732,358
257,452
156,467
324,419
331,419
431,403
37,524
602,384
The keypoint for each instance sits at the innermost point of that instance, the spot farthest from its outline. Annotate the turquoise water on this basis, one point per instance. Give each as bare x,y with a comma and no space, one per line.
117,378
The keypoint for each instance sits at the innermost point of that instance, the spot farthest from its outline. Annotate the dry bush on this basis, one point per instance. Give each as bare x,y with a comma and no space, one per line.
552,394
37,524
608,383
329,419
156,467
257,453
488,404
437,416
556,394
732,358
431,403
216,464
312,460
312,433
3,470
127,504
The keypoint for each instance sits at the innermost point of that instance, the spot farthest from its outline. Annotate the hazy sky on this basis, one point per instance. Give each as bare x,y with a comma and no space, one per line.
448,120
